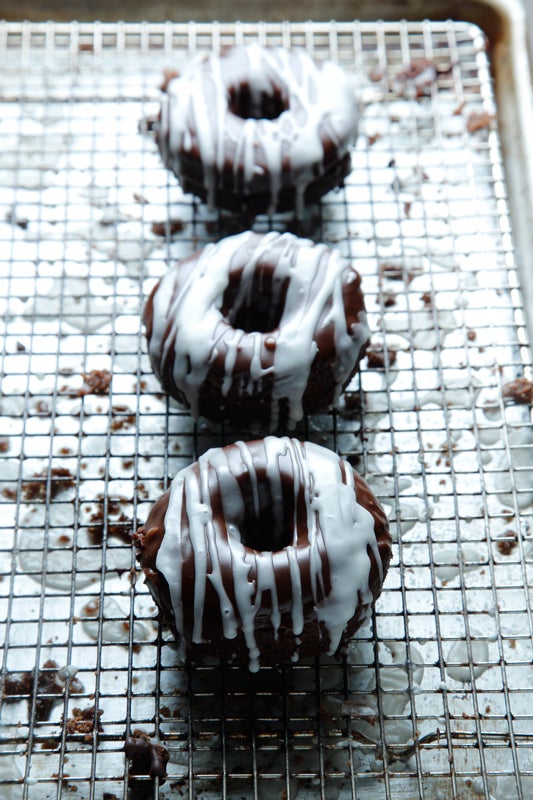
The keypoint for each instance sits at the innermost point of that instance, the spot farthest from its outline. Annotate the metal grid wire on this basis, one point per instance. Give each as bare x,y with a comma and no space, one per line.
434,699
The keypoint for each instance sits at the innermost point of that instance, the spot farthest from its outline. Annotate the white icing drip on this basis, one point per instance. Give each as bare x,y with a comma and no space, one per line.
230,360
243,615
256,369
297,334
187,317
266,581
249,463
319,98
341,603
229,623
198,516
247,145
172,553
255,249
297,611
196,304
334,517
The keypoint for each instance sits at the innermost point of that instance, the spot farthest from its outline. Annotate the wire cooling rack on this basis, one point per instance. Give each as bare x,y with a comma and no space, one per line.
434,699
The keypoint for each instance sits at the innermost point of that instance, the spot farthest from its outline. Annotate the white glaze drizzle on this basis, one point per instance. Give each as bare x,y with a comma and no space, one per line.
334,516
188,323
319,98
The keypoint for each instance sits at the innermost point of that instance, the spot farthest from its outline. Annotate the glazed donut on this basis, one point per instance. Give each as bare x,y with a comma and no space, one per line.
265,552
257,328
258,128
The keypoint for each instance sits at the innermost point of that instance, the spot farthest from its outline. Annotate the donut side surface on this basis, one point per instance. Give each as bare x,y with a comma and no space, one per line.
257,328
265,552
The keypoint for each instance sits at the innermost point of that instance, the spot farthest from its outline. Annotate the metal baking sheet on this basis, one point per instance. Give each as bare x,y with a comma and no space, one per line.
433,699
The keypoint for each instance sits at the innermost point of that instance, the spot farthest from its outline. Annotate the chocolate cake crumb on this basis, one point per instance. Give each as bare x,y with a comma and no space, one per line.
4,444
415,68
477,120
375,355
507,544
388,299
120,527
139,198
168,227
84,721
96,381
519,391
422,73
397,272
123,422
393,272
146,758
50,744
21,684
42,408
60,478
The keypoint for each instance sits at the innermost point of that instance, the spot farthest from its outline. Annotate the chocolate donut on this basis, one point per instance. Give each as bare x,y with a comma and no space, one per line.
257,328
258,128
265,552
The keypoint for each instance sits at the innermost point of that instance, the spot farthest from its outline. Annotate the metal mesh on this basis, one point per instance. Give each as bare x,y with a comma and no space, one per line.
434,699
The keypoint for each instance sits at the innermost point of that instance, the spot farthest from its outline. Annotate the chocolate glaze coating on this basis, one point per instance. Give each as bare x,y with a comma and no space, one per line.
258,328
146,758
283,524
258,129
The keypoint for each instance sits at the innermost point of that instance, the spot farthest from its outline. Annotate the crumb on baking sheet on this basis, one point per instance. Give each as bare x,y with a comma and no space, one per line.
519,391
477,120
35,489
97,381
120,525
84,721
50,681
167,227
376,358
507,543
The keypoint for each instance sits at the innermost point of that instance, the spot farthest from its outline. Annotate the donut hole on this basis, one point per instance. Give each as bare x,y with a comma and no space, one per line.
264,532
248,104
267,515
258,309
